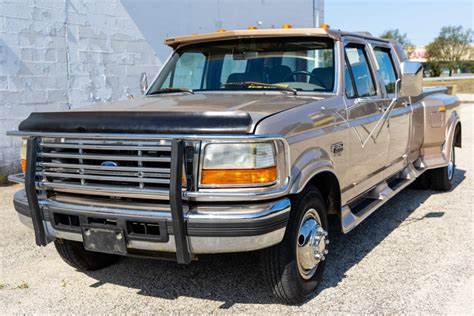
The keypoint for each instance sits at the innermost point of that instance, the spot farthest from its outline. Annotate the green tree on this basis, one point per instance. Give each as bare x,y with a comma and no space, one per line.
451,47
401,38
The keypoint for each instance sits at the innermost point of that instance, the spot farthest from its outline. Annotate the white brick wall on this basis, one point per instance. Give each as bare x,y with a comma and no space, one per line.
58,54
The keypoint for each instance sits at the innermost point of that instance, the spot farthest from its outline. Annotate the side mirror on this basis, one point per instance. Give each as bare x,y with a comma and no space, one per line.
412,79
143,83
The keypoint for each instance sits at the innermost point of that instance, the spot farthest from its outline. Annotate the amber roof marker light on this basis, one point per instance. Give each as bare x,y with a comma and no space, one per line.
287,26
324,26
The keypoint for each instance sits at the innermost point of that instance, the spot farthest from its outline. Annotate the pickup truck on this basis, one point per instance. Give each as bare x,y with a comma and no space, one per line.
246,140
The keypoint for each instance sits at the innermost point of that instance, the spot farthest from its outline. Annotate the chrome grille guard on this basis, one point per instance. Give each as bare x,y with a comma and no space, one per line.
176,160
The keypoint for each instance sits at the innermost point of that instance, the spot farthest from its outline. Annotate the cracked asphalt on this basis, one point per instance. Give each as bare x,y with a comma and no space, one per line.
414,255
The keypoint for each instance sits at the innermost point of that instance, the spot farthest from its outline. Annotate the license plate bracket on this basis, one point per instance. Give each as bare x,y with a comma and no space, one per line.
104,239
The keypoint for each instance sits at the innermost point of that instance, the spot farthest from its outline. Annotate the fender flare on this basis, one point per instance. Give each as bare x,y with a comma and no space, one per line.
310,163
450,135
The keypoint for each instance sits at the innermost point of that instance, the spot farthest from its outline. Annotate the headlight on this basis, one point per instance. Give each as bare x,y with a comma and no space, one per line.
24,141
239,164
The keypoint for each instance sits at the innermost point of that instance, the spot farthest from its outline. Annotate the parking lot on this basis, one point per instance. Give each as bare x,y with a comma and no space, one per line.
415,254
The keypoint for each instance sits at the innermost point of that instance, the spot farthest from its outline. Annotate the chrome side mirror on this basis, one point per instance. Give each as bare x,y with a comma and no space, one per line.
143,82
412,79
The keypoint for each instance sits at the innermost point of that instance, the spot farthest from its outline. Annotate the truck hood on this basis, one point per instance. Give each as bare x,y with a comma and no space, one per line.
177,113
257,105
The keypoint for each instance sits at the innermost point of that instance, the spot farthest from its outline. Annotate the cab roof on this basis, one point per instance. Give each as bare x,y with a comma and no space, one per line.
174,42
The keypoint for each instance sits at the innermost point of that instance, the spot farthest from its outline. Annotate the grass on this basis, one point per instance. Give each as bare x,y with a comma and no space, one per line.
23,285
2,286
460,86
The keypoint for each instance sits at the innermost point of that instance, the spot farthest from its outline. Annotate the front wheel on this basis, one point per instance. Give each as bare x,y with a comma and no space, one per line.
294,267
74,254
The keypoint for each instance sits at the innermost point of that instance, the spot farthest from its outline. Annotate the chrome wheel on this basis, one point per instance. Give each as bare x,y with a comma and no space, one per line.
310,244
451,166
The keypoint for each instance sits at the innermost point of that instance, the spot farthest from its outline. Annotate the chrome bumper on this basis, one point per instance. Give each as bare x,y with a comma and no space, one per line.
209,229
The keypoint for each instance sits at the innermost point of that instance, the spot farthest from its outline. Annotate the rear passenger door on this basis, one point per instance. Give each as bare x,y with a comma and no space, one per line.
369,139
400,116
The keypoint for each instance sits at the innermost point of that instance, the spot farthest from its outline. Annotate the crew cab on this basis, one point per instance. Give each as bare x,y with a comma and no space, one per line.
246,140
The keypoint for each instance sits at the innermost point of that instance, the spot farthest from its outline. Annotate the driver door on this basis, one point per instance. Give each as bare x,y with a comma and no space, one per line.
369,138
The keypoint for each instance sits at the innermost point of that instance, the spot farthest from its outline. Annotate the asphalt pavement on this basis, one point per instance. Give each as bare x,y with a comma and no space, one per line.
414,255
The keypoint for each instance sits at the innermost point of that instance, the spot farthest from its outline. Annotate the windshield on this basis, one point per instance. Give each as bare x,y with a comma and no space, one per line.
301,64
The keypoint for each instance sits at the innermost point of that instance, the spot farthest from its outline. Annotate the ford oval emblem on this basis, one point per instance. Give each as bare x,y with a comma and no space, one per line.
109,164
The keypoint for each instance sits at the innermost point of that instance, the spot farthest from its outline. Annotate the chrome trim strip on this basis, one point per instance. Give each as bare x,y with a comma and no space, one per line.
103,168
228,213
106,190
106,147
104,157
231,214
105,178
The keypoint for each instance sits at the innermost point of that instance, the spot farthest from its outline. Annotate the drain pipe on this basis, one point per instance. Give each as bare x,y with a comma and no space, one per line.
66,40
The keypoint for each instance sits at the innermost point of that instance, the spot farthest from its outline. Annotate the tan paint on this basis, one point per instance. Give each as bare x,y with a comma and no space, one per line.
174,42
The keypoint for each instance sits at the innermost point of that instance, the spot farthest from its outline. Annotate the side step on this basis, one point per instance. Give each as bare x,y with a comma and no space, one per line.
354,213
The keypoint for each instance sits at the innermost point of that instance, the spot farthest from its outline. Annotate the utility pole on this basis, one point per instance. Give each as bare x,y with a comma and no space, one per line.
318,12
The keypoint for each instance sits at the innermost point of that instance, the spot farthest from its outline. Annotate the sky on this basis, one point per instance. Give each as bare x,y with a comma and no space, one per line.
420,19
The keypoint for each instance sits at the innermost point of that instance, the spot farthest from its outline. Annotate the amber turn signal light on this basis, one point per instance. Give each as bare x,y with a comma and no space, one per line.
238,176
23,165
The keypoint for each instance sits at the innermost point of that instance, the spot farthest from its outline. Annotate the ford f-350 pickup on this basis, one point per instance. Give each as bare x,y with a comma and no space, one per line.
246,140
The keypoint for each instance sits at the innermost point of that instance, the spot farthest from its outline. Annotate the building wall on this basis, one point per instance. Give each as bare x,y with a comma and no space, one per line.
58,54
181,17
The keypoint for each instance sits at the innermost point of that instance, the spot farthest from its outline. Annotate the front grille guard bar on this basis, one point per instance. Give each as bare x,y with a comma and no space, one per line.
183,254
31,194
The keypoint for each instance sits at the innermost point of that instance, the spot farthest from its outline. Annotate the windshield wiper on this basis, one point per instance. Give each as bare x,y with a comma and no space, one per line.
171,90
257,84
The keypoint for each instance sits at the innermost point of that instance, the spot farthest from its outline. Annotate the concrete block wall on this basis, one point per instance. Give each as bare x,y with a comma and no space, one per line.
60,54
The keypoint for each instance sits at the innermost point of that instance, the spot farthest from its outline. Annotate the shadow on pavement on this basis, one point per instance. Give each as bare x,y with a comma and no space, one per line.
236,278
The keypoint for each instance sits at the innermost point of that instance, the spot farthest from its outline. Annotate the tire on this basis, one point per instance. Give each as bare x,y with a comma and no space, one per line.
423,182
74,254
280,264
442,178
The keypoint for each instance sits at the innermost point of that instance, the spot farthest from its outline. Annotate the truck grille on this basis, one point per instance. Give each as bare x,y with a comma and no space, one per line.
118,168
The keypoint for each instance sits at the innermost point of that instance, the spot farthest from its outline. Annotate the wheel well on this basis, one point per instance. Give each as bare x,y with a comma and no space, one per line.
328,185
458,135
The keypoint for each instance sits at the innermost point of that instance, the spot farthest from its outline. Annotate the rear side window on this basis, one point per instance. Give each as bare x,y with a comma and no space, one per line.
387,69
359,69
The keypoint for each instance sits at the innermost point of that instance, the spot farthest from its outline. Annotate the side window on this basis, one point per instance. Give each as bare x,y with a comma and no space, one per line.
359,67
387,69
350,93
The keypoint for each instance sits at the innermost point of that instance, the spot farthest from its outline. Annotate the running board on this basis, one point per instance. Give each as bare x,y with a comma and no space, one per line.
354,213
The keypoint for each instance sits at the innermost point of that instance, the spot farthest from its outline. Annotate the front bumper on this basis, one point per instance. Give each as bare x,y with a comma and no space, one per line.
212,228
